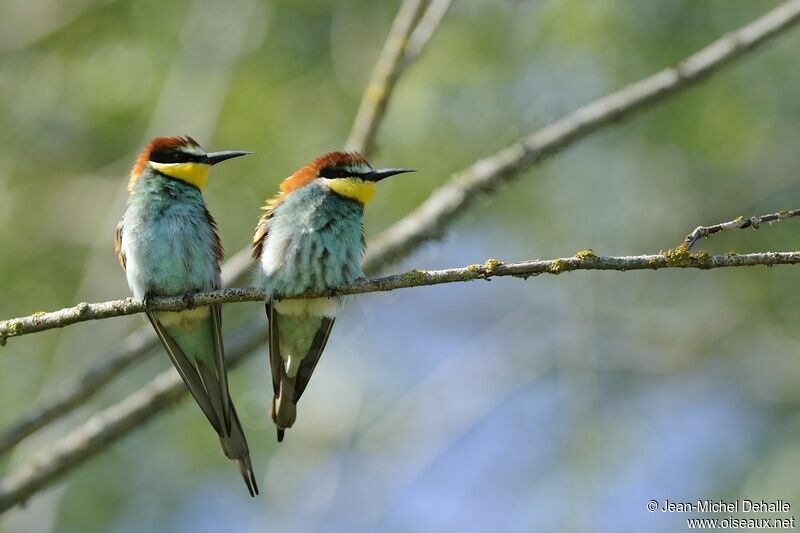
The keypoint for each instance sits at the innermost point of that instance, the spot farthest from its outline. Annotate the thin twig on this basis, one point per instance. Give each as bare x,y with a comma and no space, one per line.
385,74
82,312
429,220
737,223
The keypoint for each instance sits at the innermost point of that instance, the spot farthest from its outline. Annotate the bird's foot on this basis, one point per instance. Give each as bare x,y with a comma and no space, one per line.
147,300
188,300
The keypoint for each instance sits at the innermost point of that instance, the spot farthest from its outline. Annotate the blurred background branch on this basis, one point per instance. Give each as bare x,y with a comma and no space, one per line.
420,37
74,393
106,427
391,62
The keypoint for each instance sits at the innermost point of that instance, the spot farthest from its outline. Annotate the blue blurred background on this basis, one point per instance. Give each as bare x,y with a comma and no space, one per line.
554,404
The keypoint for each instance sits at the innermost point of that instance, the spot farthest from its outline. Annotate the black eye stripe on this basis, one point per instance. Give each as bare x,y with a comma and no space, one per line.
333,173
175,156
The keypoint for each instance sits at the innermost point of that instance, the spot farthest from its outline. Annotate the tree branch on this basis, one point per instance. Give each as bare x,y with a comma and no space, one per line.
385,74
737,223
678,258
426,27
429,220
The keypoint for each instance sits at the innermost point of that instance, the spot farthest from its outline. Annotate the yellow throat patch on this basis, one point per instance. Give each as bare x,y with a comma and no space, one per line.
354,188
192,173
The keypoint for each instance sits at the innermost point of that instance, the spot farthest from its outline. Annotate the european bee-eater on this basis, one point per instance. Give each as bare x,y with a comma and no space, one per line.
167,243
310,238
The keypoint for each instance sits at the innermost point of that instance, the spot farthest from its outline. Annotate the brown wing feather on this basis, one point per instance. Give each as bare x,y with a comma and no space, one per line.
261,232
216,244
262,228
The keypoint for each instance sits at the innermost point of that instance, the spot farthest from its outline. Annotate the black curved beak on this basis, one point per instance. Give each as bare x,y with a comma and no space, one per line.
217,157
383,173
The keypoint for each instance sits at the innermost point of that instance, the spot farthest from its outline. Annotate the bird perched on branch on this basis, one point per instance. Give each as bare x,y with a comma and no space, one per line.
310,238
167,243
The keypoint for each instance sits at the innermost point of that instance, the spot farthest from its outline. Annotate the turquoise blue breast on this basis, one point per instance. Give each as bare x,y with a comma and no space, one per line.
314,242
167,239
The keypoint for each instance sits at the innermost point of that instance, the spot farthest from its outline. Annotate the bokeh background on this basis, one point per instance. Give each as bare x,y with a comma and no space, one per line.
561,403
